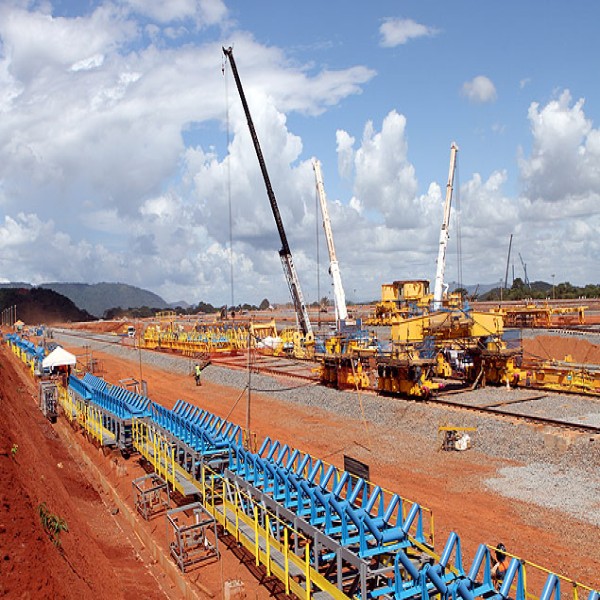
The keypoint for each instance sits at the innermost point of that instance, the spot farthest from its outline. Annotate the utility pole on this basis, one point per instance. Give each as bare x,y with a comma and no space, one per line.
525,271
508,261
248,444
139,343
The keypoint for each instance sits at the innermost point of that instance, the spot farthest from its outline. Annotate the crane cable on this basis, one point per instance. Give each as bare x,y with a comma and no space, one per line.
225,72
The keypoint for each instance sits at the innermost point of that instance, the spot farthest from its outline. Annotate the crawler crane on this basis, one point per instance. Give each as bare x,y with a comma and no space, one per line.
285,253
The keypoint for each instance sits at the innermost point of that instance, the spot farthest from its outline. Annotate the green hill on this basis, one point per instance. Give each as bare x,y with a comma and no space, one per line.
99,297
38,305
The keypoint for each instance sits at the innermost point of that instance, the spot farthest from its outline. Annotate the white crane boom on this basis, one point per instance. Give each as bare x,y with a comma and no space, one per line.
438,289
341,311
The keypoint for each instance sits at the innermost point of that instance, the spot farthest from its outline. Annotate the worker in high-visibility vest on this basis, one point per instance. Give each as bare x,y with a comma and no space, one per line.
197,371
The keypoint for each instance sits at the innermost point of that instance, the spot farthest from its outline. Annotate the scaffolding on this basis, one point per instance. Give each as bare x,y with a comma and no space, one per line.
151,495
48,396
192,535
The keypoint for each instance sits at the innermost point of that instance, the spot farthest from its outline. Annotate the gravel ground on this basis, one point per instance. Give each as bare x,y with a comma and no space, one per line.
591,336
522,483
557,470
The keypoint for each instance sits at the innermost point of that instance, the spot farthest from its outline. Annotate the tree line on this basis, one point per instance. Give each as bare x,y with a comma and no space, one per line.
537,290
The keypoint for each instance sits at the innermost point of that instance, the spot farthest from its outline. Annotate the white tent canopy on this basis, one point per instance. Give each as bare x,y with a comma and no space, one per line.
59,357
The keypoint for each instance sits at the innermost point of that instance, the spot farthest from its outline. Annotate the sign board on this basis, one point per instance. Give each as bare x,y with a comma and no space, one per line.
356,468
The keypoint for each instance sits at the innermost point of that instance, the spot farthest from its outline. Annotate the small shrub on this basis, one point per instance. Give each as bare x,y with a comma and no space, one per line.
14,450
52,524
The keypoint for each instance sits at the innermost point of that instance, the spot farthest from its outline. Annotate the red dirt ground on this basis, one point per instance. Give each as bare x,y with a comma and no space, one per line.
93,560
97,562
552,347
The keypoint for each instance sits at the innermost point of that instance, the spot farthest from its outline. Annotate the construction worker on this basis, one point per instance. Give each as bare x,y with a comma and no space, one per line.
500,566
197,371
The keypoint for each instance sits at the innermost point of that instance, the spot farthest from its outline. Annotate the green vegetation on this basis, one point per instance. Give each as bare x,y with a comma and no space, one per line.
202,307
540,290
53,525
14,450
39,305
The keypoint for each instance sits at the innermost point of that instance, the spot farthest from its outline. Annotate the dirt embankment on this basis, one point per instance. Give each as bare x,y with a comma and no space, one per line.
551,347
91,559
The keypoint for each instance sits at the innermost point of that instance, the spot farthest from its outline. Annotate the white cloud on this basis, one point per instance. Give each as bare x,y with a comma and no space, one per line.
559,207
385,180
88,63
35,43
21,238
93,147
479,90
112,158
345,153
395,32
565,157
204,12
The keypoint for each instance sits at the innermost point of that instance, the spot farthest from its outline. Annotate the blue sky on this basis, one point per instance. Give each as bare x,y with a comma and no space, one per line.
115,163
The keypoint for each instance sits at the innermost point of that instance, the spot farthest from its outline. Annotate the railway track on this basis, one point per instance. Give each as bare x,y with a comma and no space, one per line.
535,419
305,371
582,329
266,365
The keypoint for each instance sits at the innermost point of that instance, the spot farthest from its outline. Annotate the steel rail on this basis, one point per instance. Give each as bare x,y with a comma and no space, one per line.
261,369
581,427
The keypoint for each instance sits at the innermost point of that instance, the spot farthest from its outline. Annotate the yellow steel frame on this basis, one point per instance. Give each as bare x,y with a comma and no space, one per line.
158,451
190,343
93,422
80,409
88,417
401,384
154,446
345,372
556,376
564,377
66,401
303,348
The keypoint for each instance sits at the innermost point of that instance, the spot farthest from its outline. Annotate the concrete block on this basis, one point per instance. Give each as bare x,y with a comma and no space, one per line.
235,590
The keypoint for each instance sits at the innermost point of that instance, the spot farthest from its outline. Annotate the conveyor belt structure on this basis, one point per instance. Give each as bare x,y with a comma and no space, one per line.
323,532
